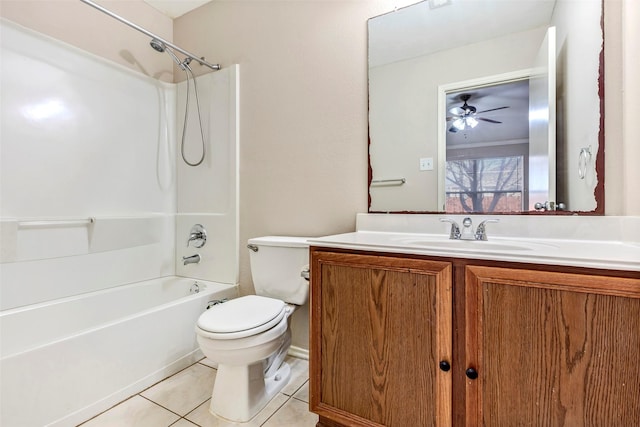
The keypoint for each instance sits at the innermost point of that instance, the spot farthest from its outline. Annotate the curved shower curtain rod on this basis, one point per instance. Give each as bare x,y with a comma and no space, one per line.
214,67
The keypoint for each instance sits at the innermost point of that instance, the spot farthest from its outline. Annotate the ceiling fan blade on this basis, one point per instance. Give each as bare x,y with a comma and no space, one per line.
487,120
453,129
492,109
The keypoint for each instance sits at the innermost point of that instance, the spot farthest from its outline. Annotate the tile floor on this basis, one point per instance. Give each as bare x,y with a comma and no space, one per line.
182,400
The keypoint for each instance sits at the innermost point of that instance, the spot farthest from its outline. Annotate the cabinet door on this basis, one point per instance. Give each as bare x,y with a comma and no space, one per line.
380,326
552,349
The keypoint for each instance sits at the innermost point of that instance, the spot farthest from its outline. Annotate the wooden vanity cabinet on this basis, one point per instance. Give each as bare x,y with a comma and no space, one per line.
525,344
381,328
551,348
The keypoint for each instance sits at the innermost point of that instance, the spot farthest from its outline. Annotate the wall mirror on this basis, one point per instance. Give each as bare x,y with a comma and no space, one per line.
487,106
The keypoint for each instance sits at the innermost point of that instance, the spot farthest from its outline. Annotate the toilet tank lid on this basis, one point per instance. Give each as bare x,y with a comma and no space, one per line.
288,241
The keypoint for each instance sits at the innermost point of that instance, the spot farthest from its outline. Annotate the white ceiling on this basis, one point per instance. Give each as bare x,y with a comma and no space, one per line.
419,30
175,8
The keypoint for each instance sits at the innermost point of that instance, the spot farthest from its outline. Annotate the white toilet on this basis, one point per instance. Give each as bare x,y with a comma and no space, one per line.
248,337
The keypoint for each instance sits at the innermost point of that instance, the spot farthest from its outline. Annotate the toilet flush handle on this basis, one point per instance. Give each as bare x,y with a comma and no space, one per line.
305,273
254,248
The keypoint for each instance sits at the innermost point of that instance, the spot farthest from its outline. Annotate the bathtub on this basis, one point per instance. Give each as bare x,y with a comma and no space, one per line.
64,361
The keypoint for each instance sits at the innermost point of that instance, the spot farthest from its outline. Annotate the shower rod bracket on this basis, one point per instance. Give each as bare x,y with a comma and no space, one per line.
106,11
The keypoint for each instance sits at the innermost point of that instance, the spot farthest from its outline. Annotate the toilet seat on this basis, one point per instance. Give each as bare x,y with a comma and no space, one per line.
242,317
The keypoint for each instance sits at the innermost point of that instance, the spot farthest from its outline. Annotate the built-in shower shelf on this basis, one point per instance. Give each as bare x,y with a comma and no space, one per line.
29,239
56,222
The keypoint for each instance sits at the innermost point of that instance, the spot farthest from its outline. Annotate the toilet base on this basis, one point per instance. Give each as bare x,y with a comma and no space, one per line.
240,392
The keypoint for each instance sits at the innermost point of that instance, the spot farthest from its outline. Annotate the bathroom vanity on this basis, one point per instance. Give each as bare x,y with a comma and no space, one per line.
413,329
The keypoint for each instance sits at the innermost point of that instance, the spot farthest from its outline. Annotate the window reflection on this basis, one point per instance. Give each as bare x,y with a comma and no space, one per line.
485,185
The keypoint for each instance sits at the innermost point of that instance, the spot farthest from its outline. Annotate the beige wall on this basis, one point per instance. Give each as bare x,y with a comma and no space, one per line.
631,106
622,100
303,110
82,26
303,113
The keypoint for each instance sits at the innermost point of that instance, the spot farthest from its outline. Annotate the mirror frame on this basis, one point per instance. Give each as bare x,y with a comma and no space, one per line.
599,155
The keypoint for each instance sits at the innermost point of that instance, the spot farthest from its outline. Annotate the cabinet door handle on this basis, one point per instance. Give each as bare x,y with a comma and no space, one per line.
444,365
471,373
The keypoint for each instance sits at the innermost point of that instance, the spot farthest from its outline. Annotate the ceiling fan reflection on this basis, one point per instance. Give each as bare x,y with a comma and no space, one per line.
466,116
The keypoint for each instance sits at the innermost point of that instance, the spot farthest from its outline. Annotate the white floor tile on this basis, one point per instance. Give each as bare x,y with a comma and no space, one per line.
134,412
185,390
209,363
188,393
204,418
299,375
183,423
303,393
294,413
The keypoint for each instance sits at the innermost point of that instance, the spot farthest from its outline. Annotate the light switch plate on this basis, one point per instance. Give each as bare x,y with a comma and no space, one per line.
426,163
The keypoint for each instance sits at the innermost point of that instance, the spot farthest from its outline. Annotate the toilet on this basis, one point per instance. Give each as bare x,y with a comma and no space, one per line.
248,337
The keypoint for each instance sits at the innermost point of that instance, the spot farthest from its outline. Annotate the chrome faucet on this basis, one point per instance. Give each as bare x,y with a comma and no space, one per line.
481,230
455,229
197,235
467,232
193,259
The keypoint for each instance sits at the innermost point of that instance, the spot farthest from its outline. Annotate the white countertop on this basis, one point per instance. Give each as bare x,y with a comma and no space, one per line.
593,242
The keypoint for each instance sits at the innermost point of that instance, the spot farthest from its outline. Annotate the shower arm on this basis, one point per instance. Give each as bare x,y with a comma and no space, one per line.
214,67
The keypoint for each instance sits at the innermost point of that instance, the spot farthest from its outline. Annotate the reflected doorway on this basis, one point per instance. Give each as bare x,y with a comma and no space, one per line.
506,120
487,148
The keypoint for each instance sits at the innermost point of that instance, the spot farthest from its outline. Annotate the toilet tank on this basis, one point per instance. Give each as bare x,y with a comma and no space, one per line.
276,266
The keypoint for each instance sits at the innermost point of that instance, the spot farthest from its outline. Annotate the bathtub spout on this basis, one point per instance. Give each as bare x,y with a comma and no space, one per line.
193,259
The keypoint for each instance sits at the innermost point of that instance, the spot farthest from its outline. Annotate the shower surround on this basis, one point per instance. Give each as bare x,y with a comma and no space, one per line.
94,204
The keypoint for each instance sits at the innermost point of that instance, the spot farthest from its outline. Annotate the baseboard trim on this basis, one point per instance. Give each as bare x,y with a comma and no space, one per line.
299,352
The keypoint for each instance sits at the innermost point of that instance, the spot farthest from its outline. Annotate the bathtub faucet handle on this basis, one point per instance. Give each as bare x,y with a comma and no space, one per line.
197,235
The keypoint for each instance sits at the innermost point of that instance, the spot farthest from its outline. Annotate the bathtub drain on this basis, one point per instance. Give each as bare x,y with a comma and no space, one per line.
195,288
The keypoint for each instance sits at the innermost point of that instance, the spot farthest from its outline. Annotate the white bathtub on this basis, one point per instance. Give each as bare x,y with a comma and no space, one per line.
65,361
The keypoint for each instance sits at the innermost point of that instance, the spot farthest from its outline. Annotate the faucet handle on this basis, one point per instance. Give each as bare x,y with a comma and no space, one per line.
481,230
197,235
454,234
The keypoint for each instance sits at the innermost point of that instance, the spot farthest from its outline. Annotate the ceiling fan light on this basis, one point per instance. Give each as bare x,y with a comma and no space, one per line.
471,122
459,124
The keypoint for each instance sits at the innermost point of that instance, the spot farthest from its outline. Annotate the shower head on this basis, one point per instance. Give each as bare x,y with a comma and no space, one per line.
157,45
161,47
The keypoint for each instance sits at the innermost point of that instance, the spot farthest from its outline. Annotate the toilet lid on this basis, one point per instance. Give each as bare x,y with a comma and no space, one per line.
251,313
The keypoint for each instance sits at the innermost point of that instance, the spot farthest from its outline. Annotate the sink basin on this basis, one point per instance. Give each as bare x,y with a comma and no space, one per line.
438,242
